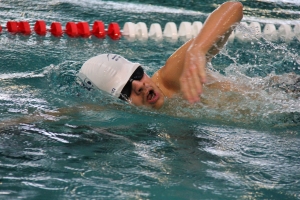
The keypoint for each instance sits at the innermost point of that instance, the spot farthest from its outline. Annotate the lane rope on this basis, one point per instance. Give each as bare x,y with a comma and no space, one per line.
140,30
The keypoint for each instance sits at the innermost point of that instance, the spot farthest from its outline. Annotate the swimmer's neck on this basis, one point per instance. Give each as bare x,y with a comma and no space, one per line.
166,89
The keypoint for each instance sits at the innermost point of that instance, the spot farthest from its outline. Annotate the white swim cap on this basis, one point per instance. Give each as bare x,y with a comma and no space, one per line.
107,72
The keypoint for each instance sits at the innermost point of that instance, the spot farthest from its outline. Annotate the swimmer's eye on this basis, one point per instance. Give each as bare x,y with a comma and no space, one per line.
136,76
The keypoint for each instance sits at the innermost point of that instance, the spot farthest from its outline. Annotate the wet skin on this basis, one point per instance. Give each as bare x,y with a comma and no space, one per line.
146,93
185,71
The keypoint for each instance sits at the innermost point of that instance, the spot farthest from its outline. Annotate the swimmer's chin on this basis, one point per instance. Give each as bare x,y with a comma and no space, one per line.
157,100
152,100
157,106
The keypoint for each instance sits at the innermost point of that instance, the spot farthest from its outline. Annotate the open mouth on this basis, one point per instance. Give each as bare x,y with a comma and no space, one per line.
152,96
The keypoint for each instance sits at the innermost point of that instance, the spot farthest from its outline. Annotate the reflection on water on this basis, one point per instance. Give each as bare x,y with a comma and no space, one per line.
213,160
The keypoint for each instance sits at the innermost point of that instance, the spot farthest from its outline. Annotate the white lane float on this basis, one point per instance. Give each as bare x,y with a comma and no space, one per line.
285,32
255,28
129,30
141,31
196,28
185,30
155,31
170,31
270,32
242,32
297,31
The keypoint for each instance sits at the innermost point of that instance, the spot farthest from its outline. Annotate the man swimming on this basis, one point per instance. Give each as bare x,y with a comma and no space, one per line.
184,72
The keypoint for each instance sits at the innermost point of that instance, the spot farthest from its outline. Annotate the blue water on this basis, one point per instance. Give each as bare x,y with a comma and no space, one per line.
59,141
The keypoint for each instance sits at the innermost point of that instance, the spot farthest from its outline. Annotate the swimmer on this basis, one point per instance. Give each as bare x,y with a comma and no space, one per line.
184,72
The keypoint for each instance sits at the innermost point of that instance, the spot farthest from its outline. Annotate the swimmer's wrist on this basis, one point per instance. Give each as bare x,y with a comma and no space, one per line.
197,48
195,52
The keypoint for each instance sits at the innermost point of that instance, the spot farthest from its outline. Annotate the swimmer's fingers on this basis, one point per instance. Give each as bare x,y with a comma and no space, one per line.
195,84
185,89
201,65
194,75
190,83
197,59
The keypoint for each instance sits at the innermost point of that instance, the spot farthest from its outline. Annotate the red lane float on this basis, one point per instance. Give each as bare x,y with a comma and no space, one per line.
83,29
71,29
16,27
24,27
0,28
99,29
12,26
114,31
40,27
56,29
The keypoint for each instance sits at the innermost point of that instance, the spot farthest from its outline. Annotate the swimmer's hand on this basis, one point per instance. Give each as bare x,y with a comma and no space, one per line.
193,75
212,37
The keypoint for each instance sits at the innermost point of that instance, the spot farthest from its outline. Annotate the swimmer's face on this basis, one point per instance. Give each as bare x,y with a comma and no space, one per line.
144,92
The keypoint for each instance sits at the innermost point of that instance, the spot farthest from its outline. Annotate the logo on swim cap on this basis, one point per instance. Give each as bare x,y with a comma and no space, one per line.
113,90
108,72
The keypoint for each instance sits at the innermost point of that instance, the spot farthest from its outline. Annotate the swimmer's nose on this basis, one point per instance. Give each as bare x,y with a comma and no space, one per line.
138,87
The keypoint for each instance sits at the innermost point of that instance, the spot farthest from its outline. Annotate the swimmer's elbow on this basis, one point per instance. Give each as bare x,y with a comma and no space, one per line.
236,7
235,4
239,8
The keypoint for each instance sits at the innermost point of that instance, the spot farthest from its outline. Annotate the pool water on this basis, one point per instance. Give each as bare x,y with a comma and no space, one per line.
60,141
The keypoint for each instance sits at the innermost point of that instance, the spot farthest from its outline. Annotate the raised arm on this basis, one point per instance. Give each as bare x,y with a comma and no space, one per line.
185,69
